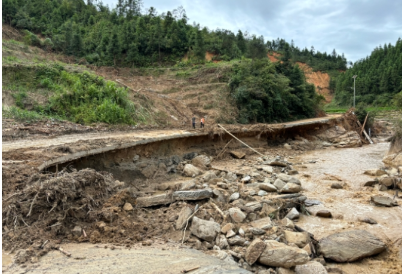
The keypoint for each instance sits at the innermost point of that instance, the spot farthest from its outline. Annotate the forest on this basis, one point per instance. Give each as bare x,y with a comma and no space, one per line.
379,78
129,35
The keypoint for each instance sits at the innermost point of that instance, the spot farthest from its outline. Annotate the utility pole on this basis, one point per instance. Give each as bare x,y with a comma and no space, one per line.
355,76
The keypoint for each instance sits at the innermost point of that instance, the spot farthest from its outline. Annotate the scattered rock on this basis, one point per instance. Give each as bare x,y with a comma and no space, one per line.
262,193
291,188
230,234
127,207
282,270
292,172
76,231
221,242
192,195
183,216
201,161
374,172
234,196
209,175
287,223
387,181
308,250
254,206
237,154
279,184
336,186
188,185
277,163
368,220
191,171
371,183
227,228
230,176
268,169
237,215
236,240
254,250
257,231
206,230
311,202
288,179
299,238
310,268
287,146
383,201
162,199
350,246
324,213
293,214
267,187
264,223
245,179
279,254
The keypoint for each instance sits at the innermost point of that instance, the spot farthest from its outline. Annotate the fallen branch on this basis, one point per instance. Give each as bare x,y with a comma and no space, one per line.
222,151
363,125
190,269
64,252
43,245
217,208
240,140
32,204
187,221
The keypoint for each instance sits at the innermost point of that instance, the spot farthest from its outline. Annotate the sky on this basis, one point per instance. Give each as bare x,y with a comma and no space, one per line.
352,27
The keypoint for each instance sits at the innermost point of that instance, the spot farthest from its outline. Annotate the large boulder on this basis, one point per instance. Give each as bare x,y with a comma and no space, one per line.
350,246
349,139
237,215
192,195
298,238
191,171
254,251
394,159
282,255
310,268
383,201
205,230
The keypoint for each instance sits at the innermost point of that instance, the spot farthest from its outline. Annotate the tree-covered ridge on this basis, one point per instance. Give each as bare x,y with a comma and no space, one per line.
126,37
379,78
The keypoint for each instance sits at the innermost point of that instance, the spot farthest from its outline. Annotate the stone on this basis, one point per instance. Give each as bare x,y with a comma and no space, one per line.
262,193
245,179
336,186
227,228
324,213
236,240
382,188
282,270
311,202
293,214
287,223
277,163
241,232
230,176
205,230
368,220
191,171
264,223
383,201
76,231
308,250
161,199
221,242
268,169
192,195
279,184
237,154
282,255
394,159
187,185
222,255
288,179
255,206
230,234
209,175
184,214
127,207
387,181
291,188
299,238
222,185
189,156
254,250
292,172
237,215
267,187
234,196
201,161
374,172
310,268
287,146
371,183
350,246
257,231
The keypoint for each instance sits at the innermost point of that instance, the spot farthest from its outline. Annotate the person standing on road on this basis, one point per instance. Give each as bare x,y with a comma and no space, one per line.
202,122
194,122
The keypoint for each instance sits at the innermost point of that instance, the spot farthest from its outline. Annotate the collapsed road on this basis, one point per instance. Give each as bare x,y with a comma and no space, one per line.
283,212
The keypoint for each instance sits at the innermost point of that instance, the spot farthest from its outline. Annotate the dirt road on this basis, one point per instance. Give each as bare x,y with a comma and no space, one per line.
88,258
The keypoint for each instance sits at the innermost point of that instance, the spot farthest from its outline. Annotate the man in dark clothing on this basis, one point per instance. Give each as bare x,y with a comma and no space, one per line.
194,122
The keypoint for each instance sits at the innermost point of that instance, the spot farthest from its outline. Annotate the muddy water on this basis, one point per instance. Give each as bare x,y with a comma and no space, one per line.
352,202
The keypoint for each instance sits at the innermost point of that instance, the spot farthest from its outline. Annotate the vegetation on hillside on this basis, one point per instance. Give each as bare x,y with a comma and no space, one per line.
267,92
125,36
379,79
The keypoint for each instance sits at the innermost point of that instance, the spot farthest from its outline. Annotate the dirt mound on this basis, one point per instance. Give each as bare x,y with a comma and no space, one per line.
273,56
11,33
319,79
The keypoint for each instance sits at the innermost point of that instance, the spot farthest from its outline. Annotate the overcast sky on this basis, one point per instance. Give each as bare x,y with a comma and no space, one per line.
352,27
